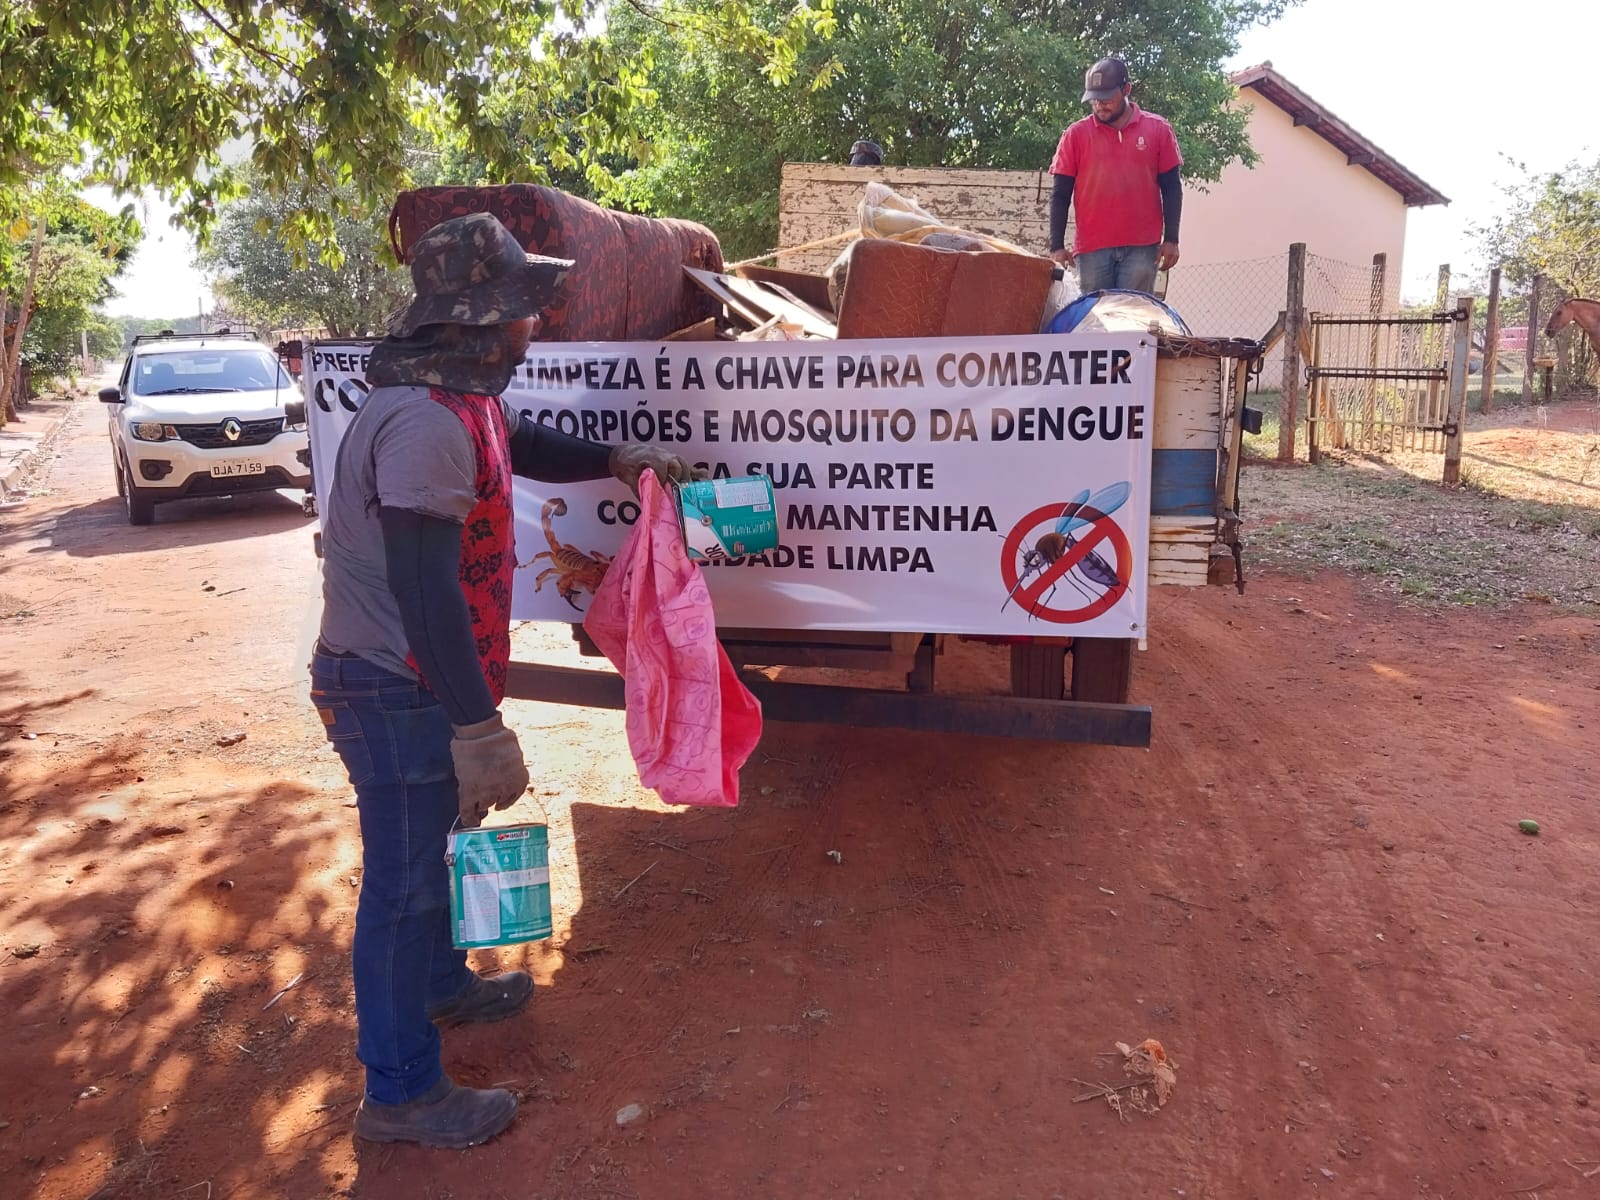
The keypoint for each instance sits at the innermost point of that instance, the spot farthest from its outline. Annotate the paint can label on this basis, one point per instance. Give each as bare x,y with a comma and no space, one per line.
499,885
727,518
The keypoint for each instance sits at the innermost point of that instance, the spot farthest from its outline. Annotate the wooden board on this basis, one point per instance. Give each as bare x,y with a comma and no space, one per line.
758,302
700,331
1188,403
818,200
1180,550
736,305
813,289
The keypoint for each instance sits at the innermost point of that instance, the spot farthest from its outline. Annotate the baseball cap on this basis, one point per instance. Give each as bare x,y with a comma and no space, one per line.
865,153
1105,79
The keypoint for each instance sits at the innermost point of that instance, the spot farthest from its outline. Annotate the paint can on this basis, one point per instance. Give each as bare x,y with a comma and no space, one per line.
499,885
727,518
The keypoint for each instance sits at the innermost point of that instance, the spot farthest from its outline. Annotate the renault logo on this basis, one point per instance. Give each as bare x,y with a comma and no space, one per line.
231,430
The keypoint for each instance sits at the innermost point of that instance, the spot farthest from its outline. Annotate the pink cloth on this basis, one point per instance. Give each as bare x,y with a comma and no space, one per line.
691,722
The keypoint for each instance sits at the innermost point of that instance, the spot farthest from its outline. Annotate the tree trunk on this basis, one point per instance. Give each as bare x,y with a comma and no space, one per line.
5,306
10,380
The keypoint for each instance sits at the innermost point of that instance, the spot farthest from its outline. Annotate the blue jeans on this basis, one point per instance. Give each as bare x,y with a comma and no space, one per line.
1118,267
394,740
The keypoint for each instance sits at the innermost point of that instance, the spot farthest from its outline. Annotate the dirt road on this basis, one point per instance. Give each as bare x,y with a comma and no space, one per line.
1311,889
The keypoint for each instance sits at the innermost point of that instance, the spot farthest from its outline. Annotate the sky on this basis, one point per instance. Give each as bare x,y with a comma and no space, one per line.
161,281
1447,89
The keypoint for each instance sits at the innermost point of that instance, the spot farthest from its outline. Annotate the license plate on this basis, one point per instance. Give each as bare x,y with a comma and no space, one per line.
228,470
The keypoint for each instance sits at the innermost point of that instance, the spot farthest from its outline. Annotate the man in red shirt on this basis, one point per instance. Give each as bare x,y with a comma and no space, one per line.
1121,163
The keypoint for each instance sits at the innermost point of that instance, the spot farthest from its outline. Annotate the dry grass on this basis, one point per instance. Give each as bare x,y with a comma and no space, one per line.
1525,525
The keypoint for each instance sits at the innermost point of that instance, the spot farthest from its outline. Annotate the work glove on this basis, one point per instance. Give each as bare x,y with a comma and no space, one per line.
490,771
631,459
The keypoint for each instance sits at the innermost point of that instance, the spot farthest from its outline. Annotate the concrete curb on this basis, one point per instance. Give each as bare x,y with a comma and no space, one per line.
18,453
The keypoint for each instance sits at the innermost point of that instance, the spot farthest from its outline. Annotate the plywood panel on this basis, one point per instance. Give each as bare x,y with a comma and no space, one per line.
1180,550
1161,576
1188,403
818,200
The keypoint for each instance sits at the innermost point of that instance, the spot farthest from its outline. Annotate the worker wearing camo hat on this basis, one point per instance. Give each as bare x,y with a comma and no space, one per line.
410,666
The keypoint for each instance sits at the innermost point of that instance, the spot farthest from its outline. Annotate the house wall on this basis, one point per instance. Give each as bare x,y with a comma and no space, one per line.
1233,275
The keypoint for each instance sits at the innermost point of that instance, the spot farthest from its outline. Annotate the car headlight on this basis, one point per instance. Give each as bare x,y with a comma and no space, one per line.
153,431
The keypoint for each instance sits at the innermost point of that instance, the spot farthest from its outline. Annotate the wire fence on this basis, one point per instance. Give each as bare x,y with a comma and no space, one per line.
1230,299
1244,298
1343,288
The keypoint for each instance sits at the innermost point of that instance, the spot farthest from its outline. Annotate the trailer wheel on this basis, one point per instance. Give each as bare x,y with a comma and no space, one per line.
1039,670
1102,669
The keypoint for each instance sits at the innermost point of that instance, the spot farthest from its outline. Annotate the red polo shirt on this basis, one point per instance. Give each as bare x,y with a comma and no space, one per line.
1114,173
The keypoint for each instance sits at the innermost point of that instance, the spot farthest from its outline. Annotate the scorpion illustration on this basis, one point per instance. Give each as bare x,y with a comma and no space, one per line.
574,571
1050,548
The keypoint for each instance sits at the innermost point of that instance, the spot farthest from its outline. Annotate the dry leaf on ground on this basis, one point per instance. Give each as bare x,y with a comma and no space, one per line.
1148,1063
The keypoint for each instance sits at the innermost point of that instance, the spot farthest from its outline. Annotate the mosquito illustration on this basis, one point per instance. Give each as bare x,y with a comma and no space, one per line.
1050,548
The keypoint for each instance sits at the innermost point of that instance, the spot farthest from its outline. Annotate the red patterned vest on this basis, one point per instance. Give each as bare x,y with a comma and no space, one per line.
488,539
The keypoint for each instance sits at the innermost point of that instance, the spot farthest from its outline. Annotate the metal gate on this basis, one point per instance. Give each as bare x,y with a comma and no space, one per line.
1384,384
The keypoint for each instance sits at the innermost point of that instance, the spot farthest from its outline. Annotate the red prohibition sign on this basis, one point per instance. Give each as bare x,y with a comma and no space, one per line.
1101,529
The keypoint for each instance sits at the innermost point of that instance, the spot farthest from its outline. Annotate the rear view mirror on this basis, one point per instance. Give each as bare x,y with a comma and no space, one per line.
111,395
294,412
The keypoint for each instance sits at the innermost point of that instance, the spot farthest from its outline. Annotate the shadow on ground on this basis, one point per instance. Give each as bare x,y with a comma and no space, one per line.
147,921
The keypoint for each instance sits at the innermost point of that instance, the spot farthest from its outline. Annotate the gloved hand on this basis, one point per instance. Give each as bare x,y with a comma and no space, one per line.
490,771
630,459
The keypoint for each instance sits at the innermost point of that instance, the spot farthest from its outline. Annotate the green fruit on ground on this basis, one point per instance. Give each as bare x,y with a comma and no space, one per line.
1528,826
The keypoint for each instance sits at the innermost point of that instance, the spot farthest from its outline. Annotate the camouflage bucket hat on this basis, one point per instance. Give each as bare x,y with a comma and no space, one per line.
471,271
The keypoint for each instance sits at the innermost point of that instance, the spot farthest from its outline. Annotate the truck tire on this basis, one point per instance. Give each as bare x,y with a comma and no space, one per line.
1039,670
1102,669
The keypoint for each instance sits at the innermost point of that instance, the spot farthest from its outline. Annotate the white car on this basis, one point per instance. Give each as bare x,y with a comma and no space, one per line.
204,415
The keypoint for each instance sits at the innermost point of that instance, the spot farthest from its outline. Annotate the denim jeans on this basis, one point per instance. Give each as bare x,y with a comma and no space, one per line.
1131,267
394,740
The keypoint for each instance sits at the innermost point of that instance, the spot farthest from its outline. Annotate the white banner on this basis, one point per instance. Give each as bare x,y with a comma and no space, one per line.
951,485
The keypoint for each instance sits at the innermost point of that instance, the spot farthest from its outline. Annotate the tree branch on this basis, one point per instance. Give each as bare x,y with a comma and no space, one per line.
282,64
650,14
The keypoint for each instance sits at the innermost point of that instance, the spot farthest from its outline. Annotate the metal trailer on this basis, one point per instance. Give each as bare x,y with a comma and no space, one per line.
1061,688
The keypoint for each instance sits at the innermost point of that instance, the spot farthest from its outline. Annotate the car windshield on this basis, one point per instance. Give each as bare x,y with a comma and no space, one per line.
220,369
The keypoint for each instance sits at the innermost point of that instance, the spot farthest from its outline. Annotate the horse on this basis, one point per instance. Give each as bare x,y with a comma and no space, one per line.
1585,312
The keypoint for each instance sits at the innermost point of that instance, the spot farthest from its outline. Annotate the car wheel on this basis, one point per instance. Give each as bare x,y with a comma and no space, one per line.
140,505
116,469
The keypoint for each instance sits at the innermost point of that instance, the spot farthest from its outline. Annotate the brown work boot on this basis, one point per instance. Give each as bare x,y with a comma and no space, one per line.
486,1000
447,1116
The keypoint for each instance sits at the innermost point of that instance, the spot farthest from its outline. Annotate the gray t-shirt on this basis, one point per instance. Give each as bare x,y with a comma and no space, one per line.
402,450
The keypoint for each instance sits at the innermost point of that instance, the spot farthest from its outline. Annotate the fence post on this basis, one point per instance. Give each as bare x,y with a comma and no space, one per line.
1533,340
1293,322
1491,342
1443,296
1456,420
1561,344
1375,302
1316,398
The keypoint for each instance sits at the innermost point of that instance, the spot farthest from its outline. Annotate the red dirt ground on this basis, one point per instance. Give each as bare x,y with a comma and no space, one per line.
1311,889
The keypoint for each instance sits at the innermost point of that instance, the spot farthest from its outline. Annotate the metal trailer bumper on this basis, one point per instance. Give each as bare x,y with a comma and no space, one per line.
871,708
